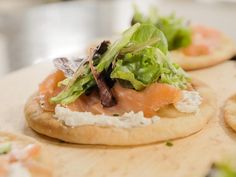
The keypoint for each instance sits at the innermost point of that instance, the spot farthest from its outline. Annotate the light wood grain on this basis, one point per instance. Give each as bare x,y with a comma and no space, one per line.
188,157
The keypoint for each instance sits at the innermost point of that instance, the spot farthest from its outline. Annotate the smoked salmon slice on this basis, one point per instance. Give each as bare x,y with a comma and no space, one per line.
49,85
148,100
48,89
204,40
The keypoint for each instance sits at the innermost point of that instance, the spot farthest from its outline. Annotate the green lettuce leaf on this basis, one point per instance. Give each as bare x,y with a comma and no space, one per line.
115,48
176,30
148,66
139,69
148,32
77,89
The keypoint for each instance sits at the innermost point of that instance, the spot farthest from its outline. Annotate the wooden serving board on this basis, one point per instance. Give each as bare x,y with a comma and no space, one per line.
188,157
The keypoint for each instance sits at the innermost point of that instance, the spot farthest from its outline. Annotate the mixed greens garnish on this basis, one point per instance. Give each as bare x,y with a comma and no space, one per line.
138,59
176,30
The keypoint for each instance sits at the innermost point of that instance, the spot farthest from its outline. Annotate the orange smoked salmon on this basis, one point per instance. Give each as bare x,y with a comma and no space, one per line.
204,40
27,157
48,88
148,100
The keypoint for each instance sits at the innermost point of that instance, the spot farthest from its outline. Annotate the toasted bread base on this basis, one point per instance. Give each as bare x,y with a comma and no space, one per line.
20,140
226,51
165,129
230,112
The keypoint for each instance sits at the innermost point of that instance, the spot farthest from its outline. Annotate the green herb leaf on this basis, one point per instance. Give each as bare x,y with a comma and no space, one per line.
169,143
116,115
5,148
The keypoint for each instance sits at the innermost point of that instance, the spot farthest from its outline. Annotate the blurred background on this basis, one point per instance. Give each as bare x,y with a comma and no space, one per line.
33,31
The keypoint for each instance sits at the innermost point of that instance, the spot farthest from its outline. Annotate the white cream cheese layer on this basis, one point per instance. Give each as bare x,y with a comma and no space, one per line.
189,103
18,170
127,120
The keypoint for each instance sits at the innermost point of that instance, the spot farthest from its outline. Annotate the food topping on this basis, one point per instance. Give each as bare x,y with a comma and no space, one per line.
133,60
177,31
222,170
16,161
189,102
68,67
106,96
204,41
18,170
147,101
127,120
49,88
31,150
132,74
5,148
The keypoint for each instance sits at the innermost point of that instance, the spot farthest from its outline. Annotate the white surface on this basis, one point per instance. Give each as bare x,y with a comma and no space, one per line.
220,15
3,55
61,29
9,6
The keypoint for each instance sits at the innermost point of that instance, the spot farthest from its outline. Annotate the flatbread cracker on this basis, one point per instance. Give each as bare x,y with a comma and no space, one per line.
164,129
17,143
225,51
230,112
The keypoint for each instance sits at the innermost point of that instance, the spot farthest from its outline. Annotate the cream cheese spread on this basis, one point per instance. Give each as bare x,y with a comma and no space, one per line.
189,103
127,120
18,170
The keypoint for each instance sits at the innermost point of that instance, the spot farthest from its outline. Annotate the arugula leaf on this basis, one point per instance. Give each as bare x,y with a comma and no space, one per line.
176,30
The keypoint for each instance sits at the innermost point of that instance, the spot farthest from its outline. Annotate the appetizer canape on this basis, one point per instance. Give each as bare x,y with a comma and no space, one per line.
191,46
124,93
230,112
21,156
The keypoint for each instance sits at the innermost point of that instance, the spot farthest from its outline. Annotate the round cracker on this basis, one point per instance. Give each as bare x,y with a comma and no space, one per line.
164,129
230,112
225,51
22,141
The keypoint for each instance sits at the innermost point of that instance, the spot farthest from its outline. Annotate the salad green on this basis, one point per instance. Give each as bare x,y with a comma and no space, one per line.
222,170
5,148
176,30
139,57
